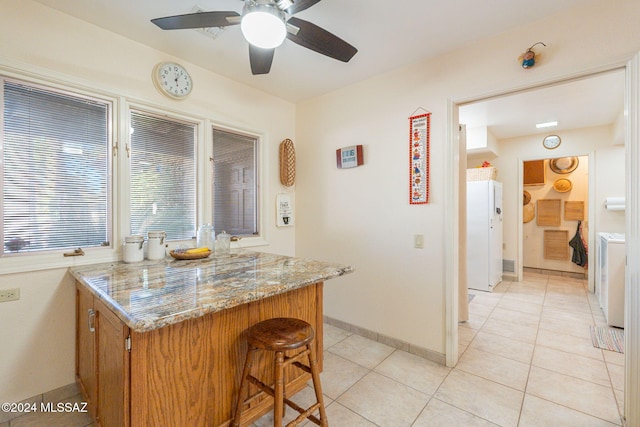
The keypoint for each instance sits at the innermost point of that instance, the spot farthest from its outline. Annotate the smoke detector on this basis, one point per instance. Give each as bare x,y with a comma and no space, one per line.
211,32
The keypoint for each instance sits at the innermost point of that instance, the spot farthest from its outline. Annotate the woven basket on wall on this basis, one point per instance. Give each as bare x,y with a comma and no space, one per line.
287,163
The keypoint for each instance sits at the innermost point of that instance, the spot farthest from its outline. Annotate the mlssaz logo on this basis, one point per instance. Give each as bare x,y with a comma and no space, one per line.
63,407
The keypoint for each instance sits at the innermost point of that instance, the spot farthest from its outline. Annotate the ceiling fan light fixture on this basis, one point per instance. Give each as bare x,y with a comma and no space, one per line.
263,26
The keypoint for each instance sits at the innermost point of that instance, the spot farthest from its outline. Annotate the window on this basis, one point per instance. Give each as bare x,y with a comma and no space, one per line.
59,166
234,183
55,169
163,176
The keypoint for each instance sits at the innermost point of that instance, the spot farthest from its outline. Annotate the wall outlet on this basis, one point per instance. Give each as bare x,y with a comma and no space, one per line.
418,241
9,294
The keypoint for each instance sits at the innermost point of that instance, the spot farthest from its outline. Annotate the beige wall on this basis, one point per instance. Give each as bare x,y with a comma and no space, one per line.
533,234
37,333
359,216
609,180
610,173
362,216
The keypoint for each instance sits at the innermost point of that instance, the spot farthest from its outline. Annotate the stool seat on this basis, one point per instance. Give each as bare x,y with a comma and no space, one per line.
282,335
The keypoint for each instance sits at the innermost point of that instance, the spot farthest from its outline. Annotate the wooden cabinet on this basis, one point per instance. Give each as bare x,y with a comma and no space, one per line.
183,374
102,360
85,347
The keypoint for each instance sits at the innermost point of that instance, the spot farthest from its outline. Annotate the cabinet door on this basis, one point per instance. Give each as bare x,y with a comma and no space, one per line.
112,368
85,346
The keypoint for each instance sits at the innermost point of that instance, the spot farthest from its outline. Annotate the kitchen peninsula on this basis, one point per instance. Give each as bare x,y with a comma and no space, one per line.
162,342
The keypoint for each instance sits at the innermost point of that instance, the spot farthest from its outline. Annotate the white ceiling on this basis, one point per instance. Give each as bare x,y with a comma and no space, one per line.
593,101
387,34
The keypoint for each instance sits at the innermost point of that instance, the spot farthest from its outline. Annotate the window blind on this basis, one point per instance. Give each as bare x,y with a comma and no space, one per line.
163,176
55,171
234,183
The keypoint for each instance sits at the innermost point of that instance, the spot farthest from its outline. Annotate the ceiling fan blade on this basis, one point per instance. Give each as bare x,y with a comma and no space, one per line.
260,59
197,20
319,40
300,5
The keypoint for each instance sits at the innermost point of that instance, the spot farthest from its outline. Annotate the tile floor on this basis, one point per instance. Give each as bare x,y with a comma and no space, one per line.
526,359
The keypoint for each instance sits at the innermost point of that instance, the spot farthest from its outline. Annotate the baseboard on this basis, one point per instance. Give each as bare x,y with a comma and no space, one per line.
425,353
573,275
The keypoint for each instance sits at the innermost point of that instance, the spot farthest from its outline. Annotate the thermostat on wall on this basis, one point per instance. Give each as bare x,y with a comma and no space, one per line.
349,157
284,210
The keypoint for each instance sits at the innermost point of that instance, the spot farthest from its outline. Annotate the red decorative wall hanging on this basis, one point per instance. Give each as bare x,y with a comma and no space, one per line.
419,139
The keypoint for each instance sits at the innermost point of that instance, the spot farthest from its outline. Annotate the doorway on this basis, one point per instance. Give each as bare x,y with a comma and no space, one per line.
591,121
631,132
556,195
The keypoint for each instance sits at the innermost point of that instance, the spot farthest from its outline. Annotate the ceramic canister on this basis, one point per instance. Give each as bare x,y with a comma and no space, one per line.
155,245
132,248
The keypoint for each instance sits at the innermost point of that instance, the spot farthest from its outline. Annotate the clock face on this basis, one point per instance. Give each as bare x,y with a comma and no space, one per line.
172,79
550,142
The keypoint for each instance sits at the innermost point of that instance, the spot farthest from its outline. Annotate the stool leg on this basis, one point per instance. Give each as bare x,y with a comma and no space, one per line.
278,410
315,375
244,384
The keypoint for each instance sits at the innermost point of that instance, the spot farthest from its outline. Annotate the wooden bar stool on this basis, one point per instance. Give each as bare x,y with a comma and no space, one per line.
280,335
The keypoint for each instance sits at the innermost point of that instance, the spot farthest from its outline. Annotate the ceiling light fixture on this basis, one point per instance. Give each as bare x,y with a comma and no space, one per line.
263,25
546,124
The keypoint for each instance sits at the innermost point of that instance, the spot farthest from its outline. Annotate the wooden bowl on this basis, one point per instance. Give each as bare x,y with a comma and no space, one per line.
184,255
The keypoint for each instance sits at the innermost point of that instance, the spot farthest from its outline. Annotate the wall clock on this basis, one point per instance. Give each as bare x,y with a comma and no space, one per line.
550,142
172,80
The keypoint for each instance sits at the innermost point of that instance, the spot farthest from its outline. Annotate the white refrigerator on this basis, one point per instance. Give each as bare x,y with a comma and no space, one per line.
484,234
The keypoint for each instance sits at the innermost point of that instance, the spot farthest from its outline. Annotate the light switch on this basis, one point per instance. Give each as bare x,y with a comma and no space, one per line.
418,241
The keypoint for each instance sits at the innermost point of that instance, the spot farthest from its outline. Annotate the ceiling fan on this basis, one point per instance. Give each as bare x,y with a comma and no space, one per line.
265,24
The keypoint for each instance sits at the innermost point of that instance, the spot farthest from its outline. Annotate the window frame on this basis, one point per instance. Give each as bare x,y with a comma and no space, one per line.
153,112
119,171
261,239
25,261
257,177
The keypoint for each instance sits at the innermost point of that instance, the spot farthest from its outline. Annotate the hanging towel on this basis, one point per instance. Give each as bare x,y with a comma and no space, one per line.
579,250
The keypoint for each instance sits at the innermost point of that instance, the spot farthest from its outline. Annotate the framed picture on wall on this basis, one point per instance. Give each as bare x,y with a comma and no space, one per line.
533,172
549,212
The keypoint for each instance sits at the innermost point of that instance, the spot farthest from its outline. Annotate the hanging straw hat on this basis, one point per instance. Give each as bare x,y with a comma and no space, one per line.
563,164
528,213
562,185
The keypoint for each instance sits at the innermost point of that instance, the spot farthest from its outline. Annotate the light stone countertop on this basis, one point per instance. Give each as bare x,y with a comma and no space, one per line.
151,294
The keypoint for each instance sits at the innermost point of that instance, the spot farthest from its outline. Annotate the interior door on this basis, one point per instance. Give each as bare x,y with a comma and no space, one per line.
632,236
241,193
234,194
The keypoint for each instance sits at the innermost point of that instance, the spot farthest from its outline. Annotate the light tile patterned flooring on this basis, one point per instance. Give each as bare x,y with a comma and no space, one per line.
526,360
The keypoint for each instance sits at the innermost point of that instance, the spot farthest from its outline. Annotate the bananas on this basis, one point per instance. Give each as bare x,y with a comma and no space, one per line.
197,250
